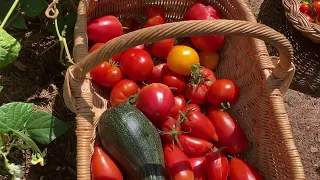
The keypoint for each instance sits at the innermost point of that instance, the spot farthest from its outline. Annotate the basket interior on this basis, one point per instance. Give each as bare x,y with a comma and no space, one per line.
240,61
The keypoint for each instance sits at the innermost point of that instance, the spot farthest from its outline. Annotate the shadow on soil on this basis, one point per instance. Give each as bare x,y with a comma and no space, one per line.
306,53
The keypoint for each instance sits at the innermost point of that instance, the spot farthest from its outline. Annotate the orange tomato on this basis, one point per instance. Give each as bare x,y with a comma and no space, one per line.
209,59
181,58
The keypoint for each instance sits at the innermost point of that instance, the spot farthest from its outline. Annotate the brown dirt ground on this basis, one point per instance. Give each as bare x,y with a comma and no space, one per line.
36,77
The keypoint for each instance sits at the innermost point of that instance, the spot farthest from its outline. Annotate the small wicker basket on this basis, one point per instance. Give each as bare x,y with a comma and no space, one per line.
300,22
244,59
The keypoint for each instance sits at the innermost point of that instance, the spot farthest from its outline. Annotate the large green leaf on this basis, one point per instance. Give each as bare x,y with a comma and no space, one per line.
33,7
44,127
14,115
9,48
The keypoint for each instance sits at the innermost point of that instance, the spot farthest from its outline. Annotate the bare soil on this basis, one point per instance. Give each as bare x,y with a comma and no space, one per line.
36,77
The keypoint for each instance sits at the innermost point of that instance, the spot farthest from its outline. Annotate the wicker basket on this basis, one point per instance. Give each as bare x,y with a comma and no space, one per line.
244,59
300,22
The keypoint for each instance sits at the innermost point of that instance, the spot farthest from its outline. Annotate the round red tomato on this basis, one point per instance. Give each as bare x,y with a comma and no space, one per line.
156,101
305,7
152,11
193,146
103,29
169,129
115,58
198,167
136,64
230,134
103,167
216,164
208,43
309,18
141,46
158,73
175,81
223,91
123,91
242,170
153,21
177,163
161,48
106,75
200,82
180,104
129,25
316,7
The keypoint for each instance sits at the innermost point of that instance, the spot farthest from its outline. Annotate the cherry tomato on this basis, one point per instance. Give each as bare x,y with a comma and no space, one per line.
222,91
198,167
305,7
153,21
209,59
136,64
152,11
106,74
180,104
193,146
161,48
230,134
242,170
198,125
216,164
208,43
115,58
198,11
316,7
181,58
103,29
177,163
158,73
123,91
103,167
200,82
175,81
156,101
309,18
128,25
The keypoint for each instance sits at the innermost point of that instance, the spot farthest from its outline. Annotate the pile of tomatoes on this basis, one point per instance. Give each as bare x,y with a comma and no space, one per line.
172,82
311,10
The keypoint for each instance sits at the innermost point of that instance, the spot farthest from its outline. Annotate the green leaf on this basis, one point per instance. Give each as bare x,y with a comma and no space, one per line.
14,115
33,7
1,88
44,127
27,140
9,48
16,19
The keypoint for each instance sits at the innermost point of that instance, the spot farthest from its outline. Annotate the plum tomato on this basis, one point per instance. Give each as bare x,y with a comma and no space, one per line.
198,167
216,165
193,146
242,170
180,104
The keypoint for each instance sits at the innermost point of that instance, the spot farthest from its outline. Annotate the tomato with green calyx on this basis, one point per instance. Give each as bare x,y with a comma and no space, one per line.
137,64
103,29
106,74
209,59
161,48
242,170
181,58
124,91
216,165
198,167
103,167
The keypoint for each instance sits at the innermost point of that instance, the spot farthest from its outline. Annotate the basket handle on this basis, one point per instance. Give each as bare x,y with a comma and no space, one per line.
188,29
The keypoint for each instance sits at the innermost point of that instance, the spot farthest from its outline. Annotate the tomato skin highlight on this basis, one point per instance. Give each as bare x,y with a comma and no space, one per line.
161,48
103,167
136,64
242,170
198,167
193,146
156,101
217,167
122,91
230,134
177,163
222,91
180,104
98,32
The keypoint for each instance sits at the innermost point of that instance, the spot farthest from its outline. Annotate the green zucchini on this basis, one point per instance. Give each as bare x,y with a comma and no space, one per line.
132,140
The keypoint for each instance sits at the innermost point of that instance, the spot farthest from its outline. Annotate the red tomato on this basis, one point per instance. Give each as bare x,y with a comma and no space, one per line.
175,81
208,43
180,104
316,7
305,7
242,170
116,58
201,80
153,21
106,75
230,134
199,11
193,146
152,11
136,64
177,163
197,124
161,48
309,18
156,101
128,25
223,91
123,91
141,46
103,29
103,167
158,73
198,167
169,129
193,107
217,167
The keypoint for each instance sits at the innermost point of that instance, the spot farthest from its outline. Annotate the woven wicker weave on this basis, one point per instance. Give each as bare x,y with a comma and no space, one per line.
244,59
300,22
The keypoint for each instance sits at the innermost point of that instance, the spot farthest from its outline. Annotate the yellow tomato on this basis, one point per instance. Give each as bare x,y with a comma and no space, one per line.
209,59
181,58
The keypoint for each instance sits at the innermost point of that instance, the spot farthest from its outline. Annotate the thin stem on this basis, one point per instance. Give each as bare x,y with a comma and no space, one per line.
11,145
14,5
